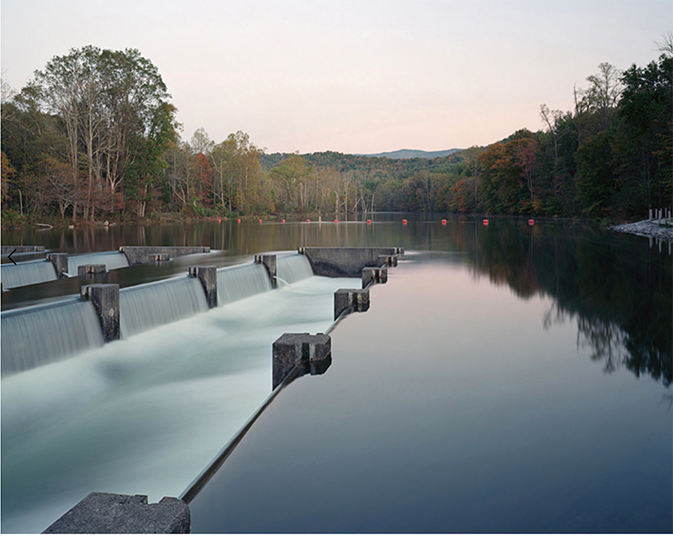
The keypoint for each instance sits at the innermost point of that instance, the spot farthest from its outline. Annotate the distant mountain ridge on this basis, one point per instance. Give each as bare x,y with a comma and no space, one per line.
411,153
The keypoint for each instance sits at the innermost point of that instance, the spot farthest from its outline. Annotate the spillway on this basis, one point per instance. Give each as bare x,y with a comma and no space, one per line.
237,283
111,260
148,306
44,334
145,414
27,273
293,268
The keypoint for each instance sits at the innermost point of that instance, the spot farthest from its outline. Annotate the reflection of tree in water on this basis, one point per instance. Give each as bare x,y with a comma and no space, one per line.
606,340
617,290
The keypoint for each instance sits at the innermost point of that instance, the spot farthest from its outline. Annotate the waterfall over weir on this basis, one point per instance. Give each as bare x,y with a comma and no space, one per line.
26,273
237,283
293,268
111,260
47,334
155,304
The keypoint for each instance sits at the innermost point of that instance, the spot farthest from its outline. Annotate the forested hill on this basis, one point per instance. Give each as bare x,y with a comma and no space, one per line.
370,165
412,153
79,155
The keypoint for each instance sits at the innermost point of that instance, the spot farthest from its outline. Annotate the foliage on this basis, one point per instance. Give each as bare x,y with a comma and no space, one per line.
94,135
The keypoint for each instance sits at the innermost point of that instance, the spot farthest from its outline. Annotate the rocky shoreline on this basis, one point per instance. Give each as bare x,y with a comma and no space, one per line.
646,228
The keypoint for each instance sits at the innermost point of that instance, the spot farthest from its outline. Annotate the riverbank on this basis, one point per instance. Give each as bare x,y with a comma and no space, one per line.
646,228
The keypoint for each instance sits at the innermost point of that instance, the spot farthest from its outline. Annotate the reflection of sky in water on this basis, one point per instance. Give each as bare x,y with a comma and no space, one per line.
450,408
145,415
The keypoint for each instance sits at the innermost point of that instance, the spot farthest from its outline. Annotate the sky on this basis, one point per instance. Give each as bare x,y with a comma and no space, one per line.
362,76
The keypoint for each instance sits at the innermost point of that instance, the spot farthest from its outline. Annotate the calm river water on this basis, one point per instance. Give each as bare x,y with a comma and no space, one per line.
507,378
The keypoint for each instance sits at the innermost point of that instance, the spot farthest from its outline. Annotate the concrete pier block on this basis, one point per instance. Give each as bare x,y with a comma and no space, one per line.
289,350
372,275
120,513
7,250
137,255
105,297
387,260
208,278
85,270
269,261
60,262
358,299
345,262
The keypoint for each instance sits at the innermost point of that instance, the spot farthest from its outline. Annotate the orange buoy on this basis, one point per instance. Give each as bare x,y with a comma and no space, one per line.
260,220
485,222
336,221
531,222
404,222
443,222
239,220
369,221
283,220
219,220
307,220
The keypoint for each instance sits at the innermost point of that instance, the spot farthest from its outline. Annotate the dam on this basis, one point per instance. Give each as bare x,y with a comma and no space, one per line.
177,366
506,378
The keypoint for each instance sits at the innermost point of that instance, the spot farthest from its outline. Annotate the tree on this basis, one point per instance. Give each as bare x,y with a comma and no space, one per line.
201,142
291,175
108,101
646,107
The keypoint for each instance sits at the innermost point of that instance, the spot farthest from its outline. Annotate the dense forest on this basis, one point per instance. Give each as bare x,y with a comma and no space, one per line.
94,137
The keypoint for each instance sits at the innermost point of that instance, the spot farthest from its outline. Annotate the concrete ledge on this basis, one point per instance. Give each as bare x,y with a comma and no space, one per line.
137,255
387,260
105,298
269,262
289,350
208,278
7,250
84,270
372,275
344,299
119,513
345,262
60,262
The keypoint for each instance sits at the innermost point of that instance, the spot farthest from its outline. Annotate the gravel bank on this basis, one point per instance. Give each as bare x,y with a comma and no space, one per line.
646,228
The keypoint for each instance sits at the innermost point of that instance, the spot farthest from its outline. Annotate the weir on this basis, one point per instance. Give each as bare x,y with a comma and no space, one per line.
27,273
237,283
154,304
111,260
149,306
137,255
346,262
42,335
293,268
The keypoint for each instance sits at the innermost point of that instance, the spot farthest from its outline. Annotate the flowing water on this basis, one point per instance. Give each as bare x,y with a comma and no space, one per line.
41,335
541,386
237,283
27,273
145,306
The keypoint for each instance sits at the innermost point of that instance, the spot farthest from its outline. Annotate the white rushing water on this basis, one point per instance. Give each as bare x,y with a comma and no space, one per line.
146,306
292,268
40,335
237,283
111,260
145,415
26,273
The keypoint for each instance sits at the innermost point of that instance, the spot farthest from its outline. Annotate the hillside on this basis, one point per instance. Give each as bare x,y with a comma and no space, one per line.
412,153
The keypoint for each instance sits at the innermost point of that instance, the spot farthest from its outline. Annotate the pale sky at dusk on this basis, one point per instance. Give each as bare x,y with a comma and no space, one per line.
351,76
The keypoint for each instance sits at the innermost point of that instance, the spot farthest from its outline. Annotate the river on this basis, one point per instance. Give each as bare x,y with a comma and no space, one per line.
561,324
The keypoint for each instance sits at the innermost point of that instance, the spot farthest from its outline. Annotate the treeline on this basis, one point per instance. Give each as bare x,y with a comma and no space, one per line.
93,136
